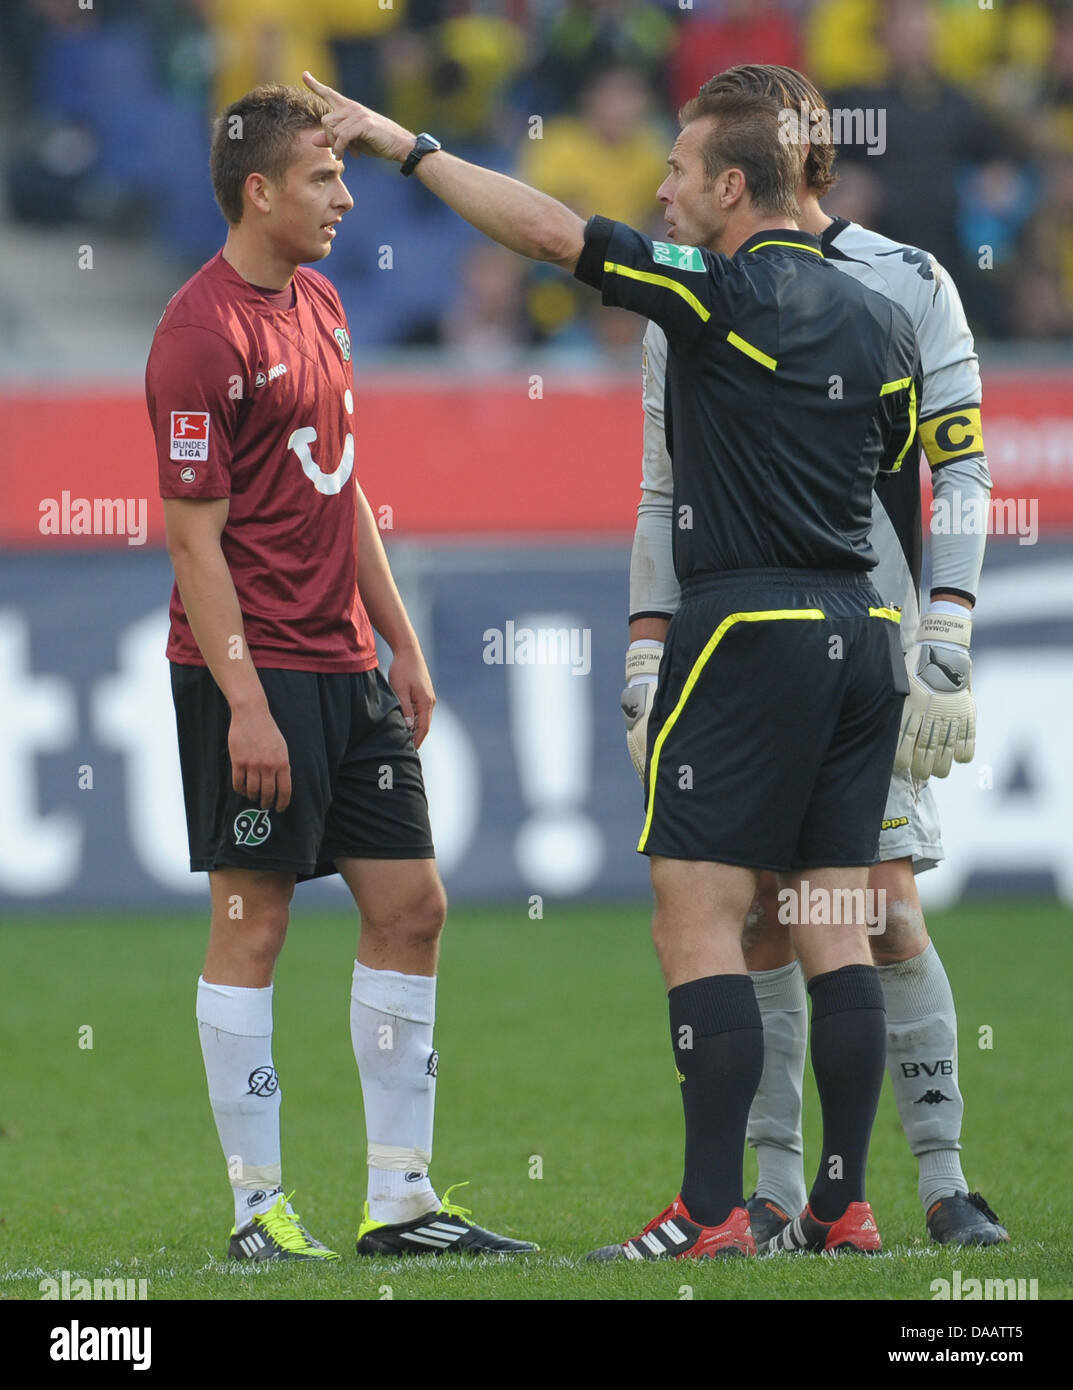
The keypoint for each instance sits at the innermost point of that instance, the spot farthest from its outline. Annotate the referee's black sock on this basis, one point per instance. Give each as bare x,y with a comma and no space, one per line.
718,1041
849,1052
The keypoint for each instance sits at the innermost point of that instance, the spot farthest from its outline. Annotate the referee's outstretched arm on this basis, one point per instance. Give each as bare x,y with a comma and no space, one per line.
676,286
519,217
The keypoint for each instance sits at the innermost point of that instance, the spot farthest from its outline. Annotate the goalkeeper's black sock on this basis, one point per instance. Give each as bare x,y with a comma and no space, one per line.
849,1049
718,1042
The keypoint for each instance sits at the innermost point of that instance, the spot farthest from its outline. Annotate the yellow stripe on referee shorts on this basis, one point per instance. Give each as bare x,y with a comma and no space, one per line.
663,281
762,616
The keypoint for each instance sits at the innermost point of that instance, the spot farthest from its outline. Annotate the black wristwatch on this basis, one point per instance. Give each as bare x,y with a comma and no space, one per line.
423,145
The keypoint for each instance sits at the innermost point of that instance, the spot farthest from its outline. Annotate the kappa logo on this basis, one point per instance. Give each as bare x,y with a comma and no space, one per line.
252,827
931,1098
342,337
190,435
920,260
263,1081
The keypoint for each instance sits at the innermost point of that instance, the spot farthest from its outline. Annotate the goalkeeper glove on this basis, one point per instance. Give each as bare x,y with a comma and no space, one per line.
642,673
939,715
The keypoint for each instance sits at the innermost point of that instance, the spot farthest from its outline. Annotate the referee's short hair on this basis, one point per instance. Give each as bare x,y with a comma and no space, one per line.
788,90
255,135
745,135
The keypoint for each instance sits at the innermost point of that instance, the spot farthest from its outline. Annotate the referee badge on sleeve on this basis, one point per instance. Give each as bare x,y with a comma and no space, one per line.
680,257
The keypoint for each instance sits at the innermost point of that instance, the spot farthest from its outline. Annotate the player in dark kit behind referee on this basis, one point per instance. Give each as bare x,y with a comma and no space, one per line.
775,721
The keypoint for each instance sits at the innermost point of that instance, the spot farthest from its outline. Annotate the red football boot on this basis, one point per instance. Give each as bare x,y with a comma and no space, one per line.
854,1230
674,1235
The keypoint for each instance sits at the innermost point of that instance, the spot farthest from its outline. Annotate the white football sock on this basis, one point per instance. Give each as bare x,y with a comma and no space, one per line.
235,1028
774,1129
922,1058
391,1021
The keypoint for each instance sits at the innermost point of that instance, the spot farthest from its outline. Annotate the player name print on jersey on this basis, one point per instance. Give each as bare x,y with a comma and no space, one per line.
190,435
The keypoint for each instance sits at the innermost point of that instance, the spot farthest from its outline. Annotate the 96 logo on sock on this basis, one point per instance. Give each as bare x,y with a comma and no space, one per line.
263,1081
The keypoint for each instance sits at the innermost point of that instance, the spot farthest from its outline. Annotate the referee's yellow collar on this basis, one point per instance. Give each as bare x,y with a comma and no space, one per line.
784,238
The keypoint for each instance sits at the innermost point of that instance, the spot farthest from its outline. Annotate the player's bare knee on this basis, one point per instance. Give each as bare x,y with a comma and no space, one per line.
899,932
417,922
763,915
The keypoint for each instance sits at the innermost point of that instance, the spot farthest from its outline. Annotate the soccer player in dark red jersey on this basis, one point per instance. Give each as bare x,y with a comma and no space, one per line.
298,757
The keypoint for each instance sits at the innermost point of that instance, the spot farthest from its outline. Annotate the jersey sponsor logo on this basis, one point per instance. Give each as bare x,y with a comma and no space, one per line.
679,257
262,1081
342,337
326,483
190,435
956,435
252,827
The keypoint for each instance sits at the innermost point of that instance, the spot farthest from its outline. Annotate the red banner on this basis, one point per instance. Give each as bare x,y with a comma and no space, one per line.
517,457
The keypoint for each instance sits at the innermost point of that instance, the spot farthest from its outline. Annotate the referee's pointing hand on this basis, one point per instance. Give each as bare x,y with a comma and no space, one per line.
351,126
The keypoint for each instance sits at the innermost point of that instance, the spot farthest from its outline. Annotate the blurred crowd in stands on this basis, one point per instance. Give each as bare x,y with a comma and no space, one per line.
106,112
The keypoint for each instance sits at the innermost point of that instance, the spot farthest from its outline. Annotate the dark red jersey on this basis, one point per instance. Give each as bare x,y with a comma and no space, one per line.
254,403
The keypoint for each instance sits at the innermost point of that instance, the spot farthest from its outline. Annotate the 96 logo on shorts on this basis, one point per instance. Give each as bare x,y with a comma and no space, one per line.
252,827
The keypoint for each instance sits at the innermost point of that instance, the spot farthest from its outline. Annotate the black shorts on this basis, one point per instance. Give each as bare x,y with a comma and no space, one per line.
775,722
357,789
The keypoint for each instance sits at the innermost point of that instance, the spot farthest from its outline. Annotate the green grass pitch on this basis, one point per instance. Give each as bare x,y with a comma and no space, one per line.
556,1100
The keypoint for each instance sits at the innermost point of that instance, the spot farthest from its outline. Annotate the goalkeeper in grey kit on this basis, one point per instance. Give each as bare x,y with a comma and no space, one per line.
938,721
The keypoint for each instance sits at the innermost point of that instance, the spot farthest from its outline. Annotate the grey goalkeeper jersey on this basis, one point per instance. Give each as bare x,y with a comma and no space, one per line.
950,432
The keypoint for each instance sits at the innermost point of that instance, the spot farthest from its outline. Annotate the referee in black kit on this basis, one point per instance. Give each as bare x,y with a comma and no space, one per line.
773,730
